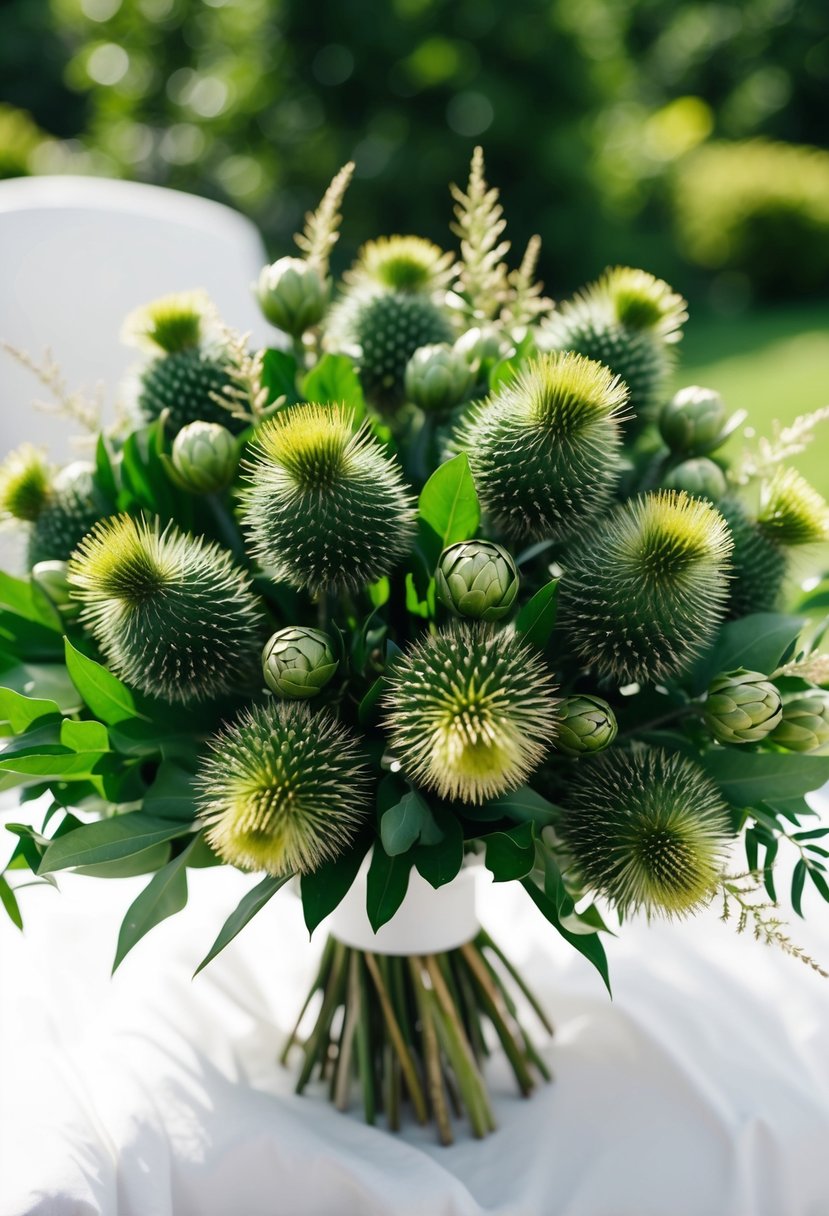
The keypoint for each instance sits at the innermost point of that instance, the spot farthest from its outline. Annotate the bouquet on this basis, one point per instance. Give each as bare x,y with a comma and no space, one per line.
446,576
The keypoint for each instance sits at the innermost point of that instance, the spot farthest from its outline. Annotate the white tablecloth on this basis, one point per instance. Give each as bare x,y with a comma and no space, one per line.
701,1090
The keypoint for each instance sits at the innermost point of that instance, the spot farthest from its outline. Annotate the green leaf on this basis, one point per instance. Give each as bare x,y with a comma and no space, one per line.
21,712
587,944
537,618
757,642
108,840
104,472
145,862
164,895
68,766
29,640
449,505
25,599
335,381
9,901
44,681
106,696
554,887
84,736
798,879
409,821
749,778
510,855
388,880
245,911
525,805
172,795
279,376
325,889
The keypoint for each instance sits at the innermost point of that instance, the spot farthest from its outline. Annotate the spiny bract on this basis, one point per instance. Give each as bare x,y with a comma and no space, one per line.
470,712
647,830
71,511
629,320
644,594
171,613
401,263
544,450
25,484
186,384
283,790
791,511
326,507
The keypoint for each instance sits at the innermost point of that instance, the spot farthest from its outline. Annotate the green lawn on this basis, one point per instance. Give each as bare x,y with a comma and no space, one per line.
774,363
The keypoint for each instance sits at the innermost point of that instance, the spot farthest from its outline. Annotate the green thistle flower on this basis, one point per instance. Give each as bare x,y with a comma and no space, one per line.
742,707
588,724
758,565
478,579
647,830
693,420
805,723
25,484
629,321
386,329
284,790
170,324
72,510
298,662
470,713
204,456
700,477
438,378
402,263
172,615
791,511
641,598
544,450
186,384
293,295
326,506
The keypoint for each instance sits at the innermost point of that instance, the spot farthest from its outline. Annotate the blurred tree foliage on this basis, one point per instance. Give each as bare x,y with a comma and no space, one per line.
583,106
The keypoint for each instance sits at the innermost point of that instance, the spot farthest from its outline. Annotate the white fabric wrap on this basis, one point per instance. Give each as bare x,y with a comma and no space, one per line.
427,922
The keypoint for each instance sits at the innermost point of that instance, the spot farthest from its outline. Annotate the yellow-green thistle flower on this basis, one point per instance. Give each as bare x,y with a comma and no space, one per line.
791,511
171,613
326,507
646,830
544,450
25,484
401,263
642,596
470,712
283,789
170,324
805,723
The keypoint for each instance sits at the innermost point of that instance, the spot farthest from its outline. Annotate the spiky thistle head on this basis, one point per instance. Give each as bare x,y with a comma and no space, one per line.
639,301
71,511
644,594
190,385
646,830
283,789
544,450
401,263
758,564
171,613
791,511
470,712
170,324
25,484
325,507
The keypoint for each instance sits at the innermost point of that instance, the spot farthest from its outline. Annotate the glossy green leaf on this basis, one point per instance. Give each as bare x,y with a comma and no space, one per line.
525,805
106,696
244,912
21,712
279,375
9,901
749,778
25,599
324,890
588,944
108,840
449,504
334,381
407,822
84,736
757,642
164,895
172,795
537,618
388,880
439,863
510,855
42,681
798,881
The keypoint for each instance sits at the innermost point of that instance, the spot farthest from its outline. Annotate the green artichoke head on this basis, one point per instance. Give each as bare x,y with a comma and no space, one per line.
298,662
693,420
293,295
805,723
438,377
742,707
587,724
204,456
477,579
698,476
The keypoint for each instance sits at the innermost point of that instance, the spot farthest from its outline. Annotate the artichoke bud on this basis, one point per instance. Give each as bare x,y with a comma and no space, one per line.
293,295
693,420
742,707
51,578
483,344
588,724
805,724
298,662
698,476
477,579
204,456
438,378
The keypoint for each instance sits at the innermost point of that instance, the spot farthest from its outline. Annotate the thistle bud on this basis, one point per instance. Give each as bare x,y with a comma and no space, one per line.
438,378
204,456
298,662
742,707
51,578
293,295
477,579
693,420
805,724
587,724
700,477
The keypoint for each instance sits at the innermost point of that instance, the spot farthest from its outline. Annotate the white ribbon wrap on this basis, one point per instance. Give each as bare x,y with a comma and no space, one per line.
428,921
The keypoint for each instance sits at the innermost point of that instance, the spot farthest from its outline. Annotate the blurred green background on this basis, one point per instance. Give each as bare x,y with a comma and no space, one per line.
689,138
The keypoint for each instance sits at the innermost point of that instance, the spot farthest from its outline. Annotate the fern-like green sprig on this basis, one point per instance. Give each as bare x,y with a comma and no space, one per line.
526,304
322,227
742,890
480,224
